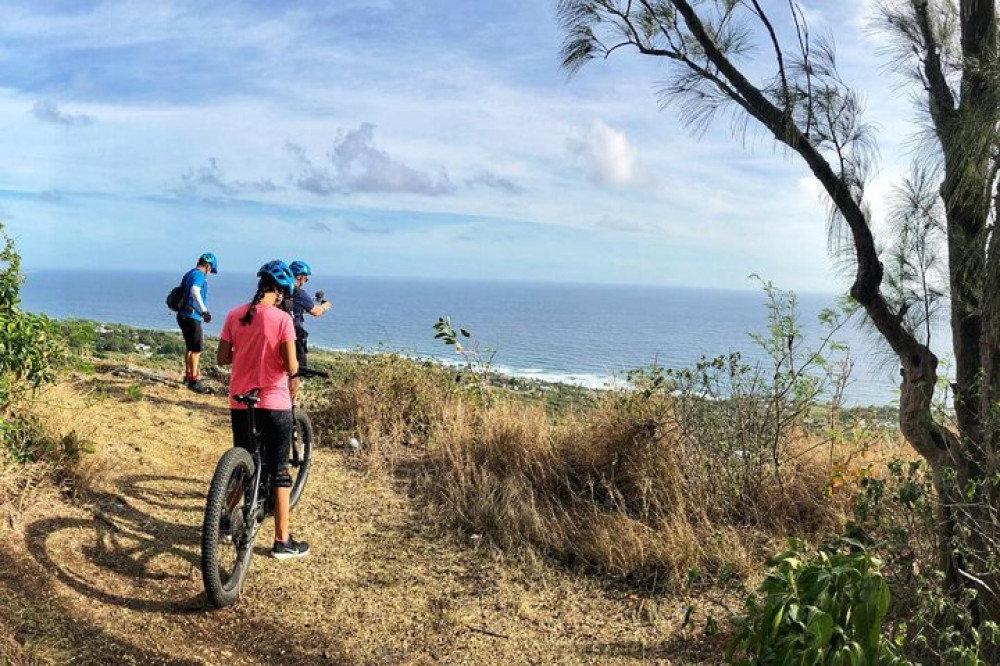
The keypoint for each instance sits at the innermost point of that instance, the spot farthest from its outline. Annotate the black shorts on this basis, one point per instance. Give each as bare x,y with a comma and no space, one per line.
300,352
275,428
191,330
301,347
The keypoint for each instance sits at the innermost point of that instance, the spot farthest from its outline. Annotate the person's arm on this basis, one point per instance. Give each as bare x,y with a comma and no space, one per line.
288,356
320,309
224,354
196,295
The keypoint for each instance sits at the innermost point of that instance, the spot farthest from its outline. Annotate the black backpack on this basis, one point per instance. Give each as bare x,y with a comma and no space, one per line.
177,299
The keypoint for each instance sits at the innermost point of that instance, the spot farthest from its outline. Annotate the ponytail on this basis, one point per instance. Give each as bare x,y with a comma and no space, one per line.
266,285
248,317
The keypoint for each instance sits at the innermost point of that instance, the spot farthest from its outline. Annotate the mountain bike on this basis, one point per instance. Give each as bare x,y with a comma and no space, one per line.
240,498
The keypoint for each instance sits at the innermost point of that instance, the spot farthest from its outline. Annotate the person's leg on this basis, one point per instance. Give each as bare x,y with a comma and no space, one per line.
197,341
277,433
194,340
300,354
182,324
281,501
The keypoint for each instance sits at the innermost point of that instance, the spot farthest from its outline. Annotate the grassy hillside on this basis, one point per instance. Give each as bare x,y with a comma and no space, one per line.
648,512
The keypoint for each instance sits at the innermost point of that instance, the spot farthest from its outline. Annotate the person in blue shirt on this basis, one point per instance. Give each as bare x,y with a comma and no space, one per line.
303,303
191,316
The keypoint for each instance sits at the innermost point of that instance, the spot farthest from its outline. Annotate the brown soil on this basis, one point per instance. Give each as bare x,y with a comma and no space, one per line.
111,577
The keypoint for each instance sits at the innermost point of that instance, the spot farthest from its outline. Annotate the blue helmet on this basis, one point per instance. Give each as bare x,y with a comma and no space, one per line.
209,259
279,272
300,267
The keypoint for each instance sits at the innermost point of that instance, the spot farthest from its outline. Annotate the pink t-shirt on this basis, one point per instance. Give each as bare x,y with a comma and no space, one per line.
257,359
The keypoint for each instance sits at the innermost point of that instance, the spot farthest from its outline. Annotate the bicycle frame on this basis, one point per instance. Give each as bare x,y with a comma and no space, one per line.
254,506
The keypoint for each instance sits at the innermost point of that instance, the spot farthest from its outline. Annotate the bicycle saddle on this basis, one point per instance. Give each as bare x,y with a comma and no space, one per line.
250,398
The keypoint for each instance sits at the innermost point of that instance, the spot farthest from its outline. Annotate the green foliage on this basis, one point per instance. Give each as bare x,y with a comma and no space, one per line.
826,608
28,348
134,392
29,352
478,366
80,335
896,515
89,338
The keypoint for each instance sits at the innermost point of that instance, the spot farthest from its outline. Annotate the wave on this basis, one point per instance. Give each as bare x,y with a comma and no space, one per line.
582,379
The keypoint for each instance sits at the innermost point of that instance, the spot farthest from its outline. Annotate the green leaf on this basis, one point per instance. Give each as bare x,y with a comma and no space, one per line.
820,629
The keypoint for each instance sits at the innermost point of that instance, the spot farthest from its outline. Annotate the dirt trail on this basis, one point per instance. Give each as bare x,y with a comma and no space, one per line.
112,578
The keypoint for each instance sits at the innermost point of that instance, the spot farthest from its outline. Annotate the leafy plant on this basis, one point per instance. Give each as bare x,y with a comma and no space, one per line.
80,335
827,608
478,365
895,514
29,351
28,348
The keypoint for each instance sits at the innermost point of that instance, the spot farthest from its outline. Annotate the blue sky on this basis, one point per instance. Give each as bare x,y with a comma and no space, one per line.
385,137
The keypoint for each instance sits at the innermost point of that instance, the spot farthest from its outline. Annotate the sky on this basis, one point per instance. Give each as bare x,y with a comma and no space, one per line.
397,138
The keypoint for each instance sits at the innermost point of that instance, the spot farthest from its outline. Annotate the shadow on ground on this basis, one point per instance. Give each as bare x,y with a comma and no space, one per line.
127,541
134,569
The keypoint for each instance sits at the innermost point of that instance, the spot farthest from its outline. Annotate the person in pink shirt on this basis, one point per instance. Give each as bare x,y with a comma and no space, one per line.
258,339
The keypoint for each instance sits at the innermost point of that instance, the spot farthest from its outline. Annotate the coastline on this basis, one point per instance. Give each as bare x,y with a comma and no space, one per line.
163,347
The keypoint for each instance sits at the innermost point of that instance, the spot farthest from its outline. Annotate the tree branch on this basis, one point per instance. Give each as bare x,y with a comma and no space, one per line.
942,102
778,55
919,363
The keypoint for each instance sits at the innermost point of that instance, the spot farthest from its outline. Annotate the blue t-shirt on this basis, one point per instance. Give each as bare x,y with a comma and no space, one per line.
303,303
194,278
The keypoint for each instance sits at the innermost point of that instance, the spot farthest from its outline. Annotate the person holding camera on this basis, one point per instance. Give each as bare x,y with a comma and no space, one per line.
191,316
303,303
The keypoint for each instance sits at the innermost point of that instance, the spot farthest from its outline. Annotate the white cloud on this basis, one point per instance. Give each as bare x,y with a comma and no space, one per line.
608,155
358,165
209,181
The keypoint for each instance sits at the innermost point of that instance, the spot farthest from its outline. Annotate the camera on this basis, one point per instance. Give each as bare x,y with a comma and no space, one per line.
319,297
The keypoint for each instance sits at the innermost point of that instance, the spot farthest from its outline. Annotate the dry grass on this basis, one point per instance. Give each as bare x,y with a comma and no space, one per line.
112,576
48,457
616,488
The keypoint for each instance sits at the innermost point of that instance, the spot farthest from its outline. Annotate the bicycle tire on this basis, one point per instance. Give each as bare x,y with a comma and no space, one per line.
227,493
300,472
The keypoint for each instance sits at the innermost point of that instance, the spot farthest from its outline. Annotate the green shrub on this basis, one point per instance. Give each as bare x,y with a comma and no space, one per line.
29,351
28,346
80,335
894,512
826,609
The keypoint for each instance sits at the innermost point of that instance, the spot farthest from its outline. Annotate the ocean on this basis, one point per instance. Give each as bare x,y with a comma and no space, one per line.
584,334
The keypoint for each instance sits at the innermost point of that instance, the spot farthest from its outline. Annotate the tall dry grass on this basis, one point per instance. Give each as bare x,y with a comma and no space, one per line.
42,453
619,487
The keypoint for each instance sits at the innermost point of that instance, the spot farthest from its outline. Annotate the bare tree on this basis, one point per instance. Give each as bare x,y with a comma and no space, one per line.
944,215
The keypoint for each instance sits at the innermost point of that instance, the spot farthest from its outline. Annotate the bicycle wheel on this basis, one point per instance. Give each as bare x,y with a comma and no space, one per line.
301,456
226,538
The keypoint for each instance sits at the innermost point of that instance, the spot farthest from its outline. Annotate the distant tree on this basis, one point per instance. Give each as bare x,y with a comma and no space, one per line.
944,242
